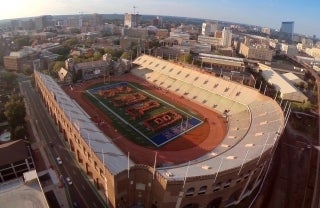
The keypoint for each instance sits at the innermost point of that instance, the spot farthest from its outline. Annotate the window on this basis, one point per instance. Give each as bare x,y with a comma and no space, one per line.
227,184
190,191
202,190
217,187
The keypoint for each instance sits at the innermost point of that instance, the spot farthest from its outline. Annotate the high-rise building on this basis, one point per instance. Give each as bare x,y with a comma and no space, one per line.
226,37
209,28
131,20
286,30
43,21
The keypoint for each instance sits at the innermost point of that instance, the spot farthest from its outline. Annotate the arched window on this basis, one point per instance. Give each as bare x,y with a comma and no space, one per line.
190,191
191,205
202,190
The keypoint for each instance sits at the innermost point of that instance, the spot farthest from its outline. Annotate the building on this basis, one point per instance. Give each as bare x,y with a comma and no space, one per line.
180,35
15,160
209,28
288,49
226,37
162,34
223,176
257,52
64,75
24,191
286,31
293,79
266,30
19,60
222,62
314,52
141,33
86,70
209,40
131,20
287,91
42,22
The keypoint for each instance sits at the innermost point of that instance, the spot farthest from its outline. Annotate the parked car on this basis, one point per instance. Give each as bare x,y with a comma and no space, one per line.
68,180
59,160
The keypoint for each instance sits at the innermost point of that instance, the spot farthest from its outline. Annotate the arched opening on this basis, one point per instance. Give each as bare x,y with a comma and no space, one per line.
215,203
191,205
234,196
190,191
202,190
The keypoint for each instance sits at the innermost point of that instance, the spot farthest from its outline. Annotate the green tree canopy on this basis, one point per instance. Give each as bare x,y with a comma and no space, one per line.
15,111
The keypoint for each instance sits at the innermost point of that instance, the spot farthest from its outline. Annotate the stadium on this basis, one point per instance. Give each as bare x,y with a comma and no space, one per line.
222,135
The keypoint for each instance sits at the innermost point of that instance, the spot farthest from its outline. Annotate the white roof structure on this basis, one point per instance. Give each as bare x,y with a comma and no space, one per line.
114,159
287,91
254,121
292,78
222,59
28,194
62,73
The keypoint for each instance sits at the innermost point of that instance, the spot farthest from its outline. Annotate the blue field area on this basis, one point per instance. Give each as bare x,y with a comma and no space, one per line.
174,132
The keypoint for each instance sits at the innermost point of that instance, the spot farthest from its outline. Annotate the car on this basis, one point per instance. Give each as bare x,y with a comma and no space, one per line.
59,161
68,180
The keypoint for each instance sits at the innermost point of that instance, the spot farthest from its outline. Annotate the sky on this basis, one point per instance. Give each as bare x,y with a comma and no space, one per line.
266,13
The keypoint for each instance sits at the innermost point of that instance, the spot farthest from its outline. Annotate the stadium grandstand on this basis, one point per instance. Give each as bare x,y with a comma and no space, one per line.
222,177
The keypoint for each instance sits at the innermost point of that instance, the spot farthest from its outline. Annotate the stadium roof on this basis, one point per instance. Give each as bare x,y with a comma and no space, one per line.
114,159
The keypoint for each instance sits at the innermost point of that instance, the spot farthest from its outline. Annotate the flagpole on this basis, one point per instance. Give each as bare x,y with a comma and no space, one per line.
215,178
128,164
243,162
185,177
154,165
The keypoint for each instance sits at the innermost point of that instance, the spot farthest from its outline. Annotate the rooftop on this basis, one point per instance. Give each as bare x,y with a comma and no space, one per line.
25,193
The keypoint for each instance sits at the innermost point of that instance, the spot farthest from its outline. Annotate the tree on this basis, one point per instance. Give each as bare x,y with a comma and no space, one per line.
185,58
127,55
22,41
18,133
15,112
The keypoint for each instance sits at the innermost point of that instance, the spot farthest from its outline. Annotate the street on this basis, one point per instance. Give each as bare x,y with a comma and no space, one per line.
81,192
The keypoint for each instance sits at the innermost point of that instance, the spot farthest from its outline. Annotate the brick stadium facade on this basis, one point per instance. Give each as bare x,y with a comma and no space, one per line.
231,172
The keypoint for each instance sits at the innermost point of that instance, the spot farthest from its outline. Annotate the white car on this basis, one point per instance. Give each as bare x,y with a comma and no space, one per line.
59,160
69,181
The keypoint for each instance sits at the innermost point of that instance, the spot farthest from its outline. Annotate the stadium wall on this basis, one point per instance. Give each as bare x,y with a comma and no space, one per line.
144,186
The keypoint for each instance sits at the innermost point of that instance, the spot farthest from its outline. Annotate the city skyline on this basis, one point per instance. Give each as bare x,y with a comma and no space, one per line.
266,13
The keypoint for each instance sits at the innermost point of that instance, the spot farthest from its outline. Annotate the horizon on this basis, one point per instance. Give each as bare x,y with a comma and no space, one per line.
267,13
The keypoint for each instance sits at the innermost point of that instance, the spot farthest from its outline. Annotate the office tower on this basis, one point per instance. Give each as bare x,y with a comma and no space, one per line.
131,20
286,31
226,37
209,28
